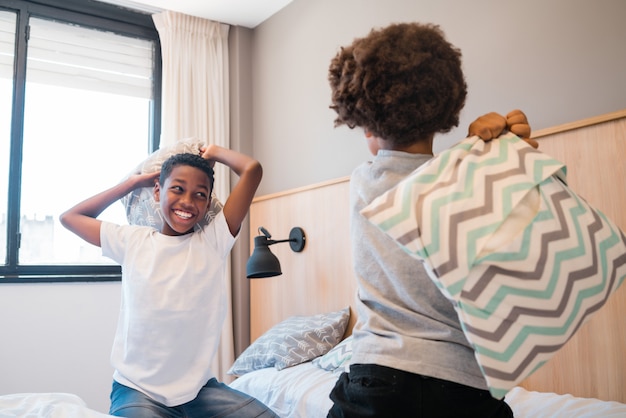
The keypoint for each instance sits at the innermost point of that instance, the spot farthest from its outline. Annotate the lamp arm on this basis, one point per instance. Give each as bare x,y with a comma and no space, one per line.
276,241
296,238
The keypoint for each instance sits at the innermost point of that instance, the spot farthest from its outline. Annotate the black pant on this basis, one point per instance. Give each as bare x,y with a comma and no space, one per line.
377,391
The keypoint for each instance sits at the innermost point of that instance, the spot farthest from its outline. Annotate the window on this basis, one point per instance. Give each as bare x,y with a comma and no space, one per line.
79,109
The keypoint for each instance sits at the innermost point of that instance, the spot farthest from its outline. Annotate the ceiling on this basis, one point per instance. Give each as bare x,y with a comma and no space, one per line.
246,13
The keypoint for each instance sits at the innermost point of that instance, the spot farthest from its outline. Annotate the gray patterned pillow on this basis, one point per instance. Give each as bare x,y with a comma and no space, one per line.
293,341
141,208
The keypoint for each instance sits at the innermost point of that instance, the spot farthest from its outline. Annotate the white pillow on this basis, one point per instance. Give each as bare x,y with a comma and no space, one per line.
141,208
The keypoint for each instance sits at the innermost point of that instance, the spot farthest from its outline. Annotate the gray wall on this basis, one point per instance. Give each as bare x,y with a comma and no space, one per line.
558,60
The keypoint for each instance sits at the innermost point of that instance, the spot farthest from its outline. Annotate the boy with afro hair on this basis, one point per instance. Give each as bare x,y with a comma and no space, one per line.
402,85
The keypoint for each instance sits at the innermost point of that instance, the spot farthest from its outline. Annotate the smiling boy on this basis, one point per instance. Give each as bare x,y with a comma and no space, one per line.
174,299
185,196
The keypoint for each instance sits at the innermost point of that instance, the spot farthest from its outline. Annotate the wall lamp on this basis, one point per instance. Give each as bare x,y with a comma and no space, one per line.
262,263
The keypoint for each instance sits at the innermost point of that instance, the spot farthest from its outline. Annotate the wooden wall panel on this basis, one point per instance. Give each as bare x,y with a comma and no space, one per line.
317,280
593,362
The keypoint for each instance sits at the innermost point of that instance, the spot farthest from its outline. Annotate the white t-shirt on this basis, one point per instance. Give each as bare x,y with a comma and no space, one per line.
173,307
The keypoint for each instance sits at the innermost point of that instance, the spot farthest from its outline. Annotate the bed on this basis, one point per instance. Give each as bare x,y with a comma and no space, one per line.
585,378
46,405
302,392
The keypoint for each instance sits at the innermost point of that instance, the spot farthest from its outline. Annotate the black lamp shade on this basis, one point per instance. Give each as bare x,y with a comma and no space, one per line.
262,263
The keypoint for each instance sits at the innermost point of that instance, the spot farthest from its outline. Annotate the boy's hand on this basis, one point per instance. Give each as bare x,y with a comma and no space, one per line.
208,152
146,179
488,126
517,123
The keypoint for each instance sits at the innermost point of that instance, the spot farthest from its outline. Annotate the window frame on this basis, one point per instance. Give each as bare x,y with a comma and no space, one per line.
89,14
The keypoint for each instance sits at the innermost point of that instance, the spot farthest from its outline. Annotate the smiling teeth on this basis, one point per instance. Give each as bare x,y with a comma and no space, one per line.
182,214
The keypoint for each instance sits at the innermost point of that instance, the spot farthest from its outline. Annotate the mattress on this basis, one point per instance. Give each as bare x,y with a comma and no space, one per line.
302,392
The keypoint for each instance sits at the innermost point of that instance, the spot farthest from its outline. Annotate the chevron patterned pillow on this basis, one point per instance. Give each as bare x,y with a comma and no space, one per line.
524,260
293,341
338,358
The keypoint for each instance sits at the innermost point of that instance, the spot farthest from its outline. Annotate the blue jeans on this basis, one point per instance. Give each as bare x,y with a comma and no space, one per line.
214,400
371,390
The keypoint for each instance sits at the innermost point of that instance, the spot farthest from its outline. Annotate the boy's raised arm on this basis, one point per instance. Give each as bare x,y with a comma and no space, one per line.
250,173
81,218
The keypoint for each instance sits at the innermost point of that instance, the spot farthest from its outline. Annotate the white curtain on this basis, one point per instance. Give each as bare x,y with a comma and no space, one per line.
195,103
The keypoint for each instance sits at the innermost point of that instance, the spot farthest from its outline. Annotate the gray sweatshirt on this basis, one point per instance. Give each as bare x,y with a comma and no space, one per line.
404,321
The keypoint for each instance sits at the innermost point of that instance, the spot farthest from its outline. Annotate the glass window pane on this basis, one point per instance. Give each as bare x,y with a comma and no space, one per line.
7,46
80,137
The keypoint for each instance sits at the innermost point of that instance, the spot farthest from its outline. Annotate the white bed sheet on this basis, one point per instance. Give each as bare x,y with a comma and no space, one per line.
296,392
46,405
302,392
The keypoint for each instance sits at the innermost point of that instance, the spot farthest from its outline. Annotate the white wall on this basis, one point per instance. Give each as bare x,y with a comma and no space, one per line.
558,60
57,338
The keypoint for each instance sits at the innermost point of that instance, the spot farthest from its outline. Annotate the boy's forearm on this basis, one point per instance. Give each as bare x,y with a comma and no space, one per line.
96,204
247,168
250,173
236,161
82,218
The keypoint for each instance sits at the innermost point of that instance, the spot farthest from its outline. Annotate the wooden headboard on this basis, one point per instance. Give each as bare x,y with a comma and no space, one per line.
317,280
320,278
